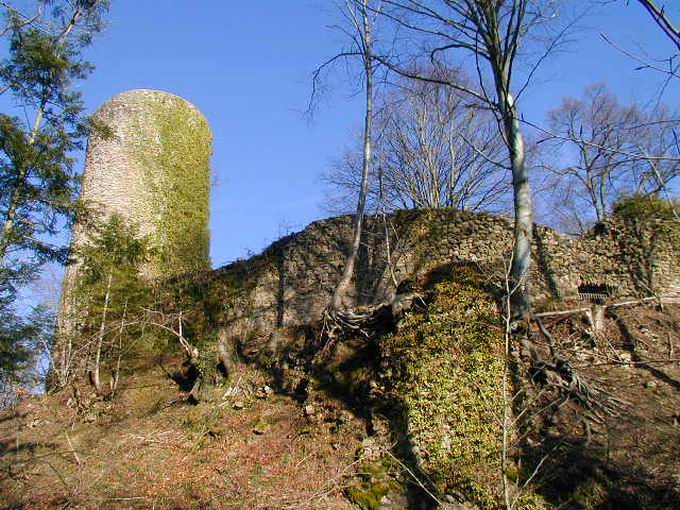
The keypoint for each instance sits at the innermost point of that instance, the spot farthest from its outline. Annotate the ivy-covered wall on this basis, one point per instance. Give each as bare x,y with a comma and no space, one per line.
174,156
153,169
148,163
443,369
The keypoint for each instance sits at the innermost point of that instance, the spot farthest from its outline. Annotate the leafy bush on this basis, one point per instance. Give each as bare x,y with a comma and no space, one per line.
645,207
111,292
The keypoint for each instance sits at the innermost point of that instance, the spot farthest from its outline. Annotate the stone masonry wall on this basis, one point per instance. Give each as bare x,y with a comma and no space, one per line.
148,163
292,281
159,146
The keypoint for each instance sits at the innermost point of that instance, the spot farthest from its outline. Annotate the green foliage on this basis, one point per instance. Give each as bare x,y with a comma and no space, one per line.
446,370
531,501
652,231
207,358
47,63
22,339
647,208
374,483
115,251
178,174
44,59
590,495
109,278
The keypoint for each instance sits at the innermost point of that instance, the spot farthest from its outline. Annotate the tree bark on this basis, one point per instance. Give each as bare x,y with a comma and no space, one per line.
100,340
340,296
521,254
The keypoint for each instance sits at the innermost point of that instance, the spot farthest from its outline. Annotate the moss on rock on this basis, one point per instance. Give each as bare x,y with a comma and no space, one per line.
174,153
445,372
376,482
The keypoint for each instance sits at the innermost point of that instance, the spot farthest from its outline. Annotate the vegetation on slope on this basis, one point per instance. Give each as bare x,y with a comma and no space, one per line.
445,367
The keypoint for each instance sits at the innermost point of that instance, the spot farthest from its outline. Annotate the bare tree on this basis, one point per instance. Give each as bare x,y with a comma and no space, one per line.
611,150
493,32
656,140
439,149
100,338
359,16
433,147
602,127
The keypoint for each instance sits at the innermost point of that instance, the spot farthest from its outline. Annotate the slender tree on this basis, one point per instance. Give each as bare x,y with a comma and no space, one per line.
110,291
358,27
359,16
493,32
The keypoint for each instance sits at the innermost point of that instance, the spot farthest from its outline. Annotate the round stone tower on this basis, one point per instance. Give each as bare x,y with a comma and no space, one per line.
149,163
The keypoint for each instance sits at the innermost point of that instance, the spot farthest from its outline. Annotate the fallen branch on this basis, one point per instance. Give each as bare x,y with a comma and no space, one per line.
587,311
635,302
631,362
72,450
563,313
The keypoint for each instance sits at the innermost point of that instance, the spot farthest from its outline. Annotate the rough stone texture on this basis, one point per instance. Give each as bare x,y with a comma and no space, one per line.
150,165
292,281
126,173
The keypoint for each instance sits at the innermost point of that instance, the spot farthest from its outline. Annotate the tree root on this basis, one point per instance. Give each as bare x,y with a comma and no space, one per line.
363,321
559,374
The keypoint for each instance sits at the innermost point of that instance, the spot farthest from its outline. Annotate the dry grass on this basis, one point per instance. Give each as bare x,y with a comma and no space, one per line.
149,451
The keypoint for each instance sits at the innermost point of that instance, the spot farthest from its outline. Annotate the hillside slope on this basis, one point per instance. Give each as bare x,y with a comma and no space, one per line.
291,434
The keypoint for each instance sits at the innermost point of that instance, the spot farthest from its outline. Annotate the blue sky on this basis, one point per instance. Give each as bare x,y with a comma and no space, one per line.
247,66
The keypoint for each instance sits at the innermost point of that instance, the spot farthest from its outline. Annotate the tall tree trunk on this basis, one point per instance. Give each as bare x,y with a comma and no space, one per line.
521,255
340,296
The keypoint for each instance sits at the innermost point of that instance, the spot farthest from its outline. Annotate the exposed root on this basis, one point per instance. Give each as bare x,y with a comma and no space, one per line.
586,392
361,321
558,373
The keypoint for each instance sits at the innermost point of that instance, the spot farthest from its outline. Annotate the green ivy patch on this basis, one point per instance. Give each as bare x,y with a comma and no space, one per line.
445,372
177,171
